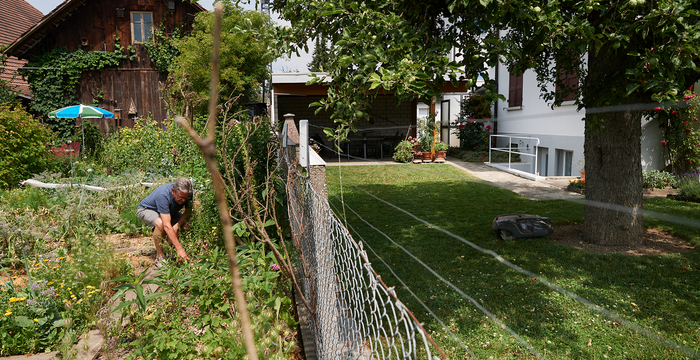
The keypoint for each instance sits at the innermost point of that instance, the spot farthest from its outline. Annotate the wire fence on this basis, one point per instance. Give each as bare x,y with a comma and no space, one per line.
352,314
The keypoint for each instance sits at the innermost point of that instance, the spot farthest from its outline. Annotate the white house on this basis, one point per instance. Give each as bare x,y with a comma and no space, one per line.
554,134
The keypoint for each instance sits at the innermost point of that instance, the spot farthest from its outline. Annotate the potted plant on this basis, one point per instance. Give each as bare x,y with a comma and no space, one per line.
417,157
426,142
404,151
440,150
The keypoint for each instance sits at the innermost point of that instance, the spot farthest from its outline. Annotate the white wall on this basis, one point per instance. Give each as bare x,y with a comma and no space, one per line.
560,128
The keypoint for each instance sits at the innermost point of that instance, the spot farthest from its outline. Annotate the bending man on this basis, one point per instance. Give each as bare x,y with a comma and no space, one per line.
161,210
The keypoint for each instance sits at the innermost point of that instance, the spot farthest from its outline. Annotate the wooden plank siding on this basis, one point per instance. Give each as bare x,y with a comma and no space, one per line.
137,81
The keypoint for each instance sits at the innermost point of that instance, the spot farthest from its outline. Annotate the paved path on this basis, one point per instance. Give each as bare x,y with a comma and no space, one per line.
552,188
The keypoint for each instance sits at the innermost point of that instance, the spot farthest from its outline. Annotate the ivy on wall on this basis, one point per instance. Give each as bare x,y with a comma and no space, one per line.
160,48
56,83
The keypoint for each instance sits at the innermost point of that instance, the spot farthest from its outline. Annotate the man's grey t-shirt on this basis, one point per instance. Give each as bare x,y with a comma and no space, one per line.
162,201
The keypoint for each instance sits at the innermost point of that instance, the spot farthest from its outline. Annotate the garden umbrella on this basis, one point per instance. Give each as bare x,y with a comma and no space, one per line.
81,111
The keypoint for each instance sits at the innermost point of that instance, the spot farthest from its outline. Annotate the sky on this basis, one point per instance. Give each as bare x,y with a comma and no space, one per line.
295,64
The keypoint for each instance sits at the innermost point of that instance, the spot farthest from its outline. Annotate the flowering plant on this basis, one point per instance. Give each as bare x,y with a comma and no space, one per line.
681,142
315,146
578,183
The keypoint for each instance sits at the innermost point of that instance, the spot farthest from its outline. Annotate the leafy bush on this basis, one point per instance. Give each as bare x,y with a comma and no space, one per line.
475,107
403,152
147,147
656,179
689,186
90,139
24,146
483,156
473,135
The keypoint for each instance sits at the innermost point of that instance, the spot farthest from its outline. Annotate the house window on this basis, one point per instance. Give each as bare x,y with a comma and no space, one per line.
563,159
515,91
141,26
566,85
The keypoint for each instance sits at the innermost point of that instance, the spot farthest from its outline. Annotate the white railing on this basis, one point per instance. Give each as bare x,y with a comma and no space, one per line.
517,151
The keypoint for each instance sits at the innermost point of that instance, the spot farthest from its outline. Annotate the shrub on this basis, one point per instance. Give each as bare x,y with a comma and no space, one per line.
689,186
90,139
656,179
473,135
24,146
403,152
150,148
483,156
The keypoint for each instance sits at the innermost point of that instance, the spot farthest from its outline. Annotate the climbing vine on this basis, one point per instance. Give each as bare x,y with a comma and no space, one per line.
681,143
57,82
160,48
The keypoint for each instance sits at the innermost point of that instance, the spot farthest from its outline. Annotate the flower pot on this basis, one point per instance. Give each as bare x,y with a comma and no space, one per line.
427,157
583,175
440,156
417,158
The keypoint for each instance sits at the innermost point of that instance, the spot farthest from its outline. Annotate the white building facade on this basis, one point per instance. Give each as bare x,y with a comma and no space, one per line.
552,136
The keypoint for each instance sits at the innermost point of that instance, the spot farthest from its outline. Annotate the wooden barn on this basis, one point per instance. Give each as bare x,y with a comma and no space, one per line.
130,90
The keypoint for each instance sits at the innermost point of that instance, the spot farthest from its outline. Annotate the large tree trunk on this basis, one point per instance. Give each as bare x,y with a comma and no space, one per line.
613,212
614,180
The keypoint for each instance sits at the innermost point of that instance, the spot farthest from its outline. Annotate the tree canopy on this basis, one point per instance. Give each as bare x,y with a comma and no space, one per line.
627,53
246,50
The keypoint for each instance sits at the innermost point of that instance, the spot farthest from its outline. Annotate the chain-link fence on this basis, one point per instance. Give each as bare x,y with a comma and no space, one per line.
349,313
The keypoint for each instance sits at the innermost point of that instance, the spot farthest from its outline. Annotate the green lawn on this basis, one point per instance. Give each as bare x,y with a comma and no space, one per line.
657,293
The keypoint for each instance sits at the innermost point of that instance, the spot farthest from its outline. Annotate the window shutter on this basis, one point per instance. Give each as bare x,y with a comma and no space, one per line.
571,83
515,91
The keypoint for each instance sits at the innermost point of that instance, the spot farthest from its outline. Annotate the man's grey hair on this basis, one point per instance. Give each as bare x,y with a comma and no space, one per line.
183,184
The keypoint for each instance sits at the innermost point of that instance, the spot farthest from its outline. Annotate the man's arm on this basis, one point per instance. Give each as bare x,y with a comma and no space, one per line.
172,235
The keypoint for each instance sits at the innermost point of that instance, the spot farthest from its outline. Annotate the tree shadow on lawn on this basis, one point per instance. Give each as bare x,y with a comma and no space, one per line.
655,292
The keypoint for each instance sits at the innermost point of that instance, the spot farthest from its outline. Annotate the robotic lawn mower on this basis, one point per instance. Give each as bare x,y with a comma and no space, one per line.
521,226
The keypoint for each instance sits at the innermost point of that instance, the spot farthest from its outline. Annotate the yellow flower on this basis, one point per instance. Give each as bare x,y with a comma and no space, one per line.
13,299
88,287
55,267
49,283
23,298
14,277
36,320
91,292
19,198
57,295
61,284
8,313
61,258
46,260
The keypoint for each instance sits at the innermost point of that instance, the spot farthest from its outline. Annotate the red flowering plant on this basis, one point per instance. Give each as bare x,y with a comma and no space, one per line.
681,142
472,134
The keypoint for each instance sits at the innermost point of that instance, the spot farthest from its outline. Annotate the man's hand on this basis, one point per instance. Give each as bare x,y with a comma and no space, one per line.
181,252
